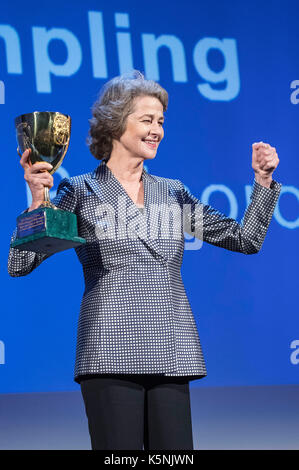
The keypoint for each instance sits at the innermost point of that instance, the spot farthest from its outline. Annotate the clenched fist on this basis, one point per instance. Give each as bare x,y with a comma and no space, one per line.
264,162
37,177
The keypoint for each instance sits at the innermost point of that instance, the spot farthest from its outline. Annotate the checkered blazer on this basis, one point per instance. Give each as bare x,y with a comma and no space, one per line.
135,317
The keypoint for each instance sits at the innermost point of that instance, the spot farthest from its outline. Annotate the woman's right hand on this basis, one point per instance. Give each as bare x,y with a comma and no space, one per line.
37,178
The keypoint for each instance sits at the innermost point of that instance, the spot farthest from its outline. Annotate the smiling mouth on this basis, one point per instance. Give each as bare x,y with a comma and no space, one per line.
151,144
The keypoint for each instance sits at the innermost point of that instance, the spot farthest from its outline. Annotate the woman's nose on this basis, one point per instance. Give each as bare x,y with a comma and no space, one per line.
156,129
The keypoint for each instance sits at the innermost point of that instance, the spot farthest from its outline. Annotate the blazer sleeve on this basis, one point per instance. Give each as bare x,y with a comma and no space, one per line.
21,263
211,226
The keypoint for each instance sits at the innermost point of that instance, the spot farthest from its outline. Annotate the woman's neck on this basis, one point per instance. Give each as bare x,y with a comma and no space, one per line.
128,170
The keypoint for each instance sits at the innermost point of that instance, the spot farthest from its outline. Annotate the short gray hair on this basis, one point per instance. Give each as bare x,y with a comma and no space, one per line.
114,104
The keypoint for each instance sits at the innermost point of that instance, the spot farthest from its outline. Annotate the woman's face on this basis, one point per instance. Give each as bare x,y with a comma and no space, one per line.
144,129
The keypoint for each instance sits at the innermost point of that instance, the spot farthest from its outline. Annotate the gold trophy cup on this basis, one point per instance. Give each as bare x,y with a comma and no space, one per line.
47,229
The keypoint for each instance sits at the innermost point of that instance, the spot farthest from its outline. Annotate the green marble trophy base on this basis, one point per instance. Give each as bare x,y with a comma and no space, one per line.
47,230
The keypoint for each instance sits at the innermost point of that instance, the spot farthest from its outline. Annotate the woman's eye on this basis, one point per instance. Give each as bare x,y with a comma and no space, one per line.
148,120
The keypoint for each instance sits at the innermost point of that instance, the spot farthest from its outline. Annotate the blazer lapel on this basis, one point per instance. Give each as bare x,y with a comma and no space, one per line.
144,226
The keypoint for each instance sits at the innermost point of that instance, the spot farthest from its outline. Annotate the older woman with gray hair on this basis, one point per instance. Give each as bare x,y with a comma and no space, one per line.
138,345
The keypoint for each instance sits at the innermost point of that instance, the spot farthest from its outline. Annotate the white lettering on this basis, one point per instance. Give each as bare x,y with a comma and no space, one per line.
115,460
230,72
13,48
151,45
295,354
105,227
248,190
2,92
44,66
124,43
97,44
206,194
285,223
293,97
225,190
2,353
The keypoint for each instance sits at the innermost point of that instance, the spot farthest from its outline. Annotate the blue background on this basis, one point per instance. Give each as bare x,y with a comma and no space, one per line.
246,307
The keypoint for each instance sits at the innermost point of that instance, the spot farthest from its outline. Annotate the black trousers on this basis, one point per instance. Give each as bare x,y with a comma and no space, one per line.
136,412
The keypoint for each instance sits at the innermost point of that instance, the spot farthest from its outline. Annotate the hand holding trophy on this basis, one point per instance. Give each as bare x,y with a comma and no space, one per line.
43,139
39,179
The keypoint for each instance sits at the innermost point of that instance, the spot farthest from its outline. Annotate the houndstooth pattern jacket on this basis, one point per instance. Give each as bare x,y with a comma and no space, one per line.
135,317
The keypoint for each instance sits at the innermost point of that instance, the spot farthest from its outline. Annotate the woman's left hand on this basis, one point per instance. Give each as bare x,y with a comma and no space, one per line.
264,162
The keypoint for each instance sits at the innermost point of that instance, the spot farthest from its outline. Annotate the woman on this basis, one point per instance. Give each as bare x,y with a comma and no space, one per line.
138,346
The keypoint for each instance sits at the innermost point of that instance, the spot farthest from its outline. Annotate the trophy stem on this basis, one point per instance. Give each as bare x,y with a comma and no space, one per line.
47,195
47,202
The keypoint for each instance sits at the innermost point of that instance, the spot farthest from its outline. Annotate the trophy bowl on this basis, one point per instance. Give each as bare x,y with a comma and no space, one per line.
47,135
